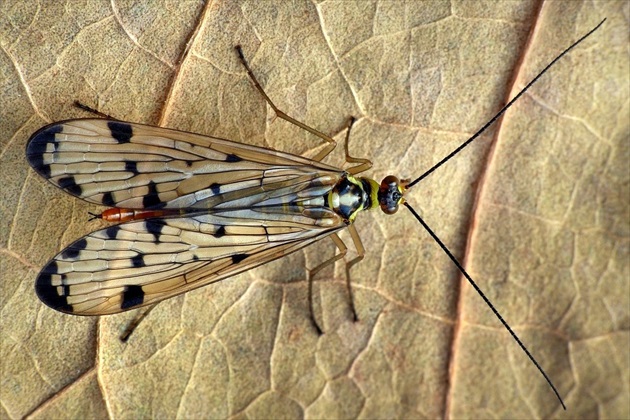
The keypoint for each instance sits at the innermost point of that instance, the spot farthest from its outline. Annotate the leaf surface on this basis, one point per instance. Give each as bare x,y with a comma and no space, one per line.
537,209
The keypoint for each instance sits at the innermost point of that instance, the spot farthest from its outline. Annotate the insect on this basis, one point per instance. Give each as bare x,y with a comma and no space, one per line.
194,210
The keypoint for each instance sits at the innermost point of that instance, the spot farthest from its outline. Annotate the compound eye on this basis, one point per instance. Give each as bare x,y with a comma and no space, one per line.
389,182
389,210
389,194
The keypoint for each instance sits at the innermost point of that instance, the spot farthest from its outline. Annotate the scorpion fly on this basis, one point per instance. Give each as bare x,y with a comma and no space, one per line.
193,209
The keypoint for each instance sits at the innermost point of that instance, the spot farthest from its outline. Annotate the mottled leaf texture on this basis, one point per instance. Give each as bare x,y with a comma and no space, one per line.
537,208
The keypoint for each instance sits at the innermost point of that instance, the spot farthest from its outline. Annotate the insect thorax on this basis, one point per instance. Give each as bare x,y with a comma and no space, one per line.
352,195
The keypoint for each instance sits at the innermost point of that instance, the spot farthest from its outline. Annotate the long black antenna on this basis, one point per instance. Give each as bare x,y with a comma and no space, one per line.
483,296
496,117
446,250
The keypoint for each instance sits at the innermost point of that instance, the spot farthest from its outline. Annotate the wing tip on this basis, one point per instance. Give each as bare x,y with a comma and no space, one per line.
50,294
40,147
42,141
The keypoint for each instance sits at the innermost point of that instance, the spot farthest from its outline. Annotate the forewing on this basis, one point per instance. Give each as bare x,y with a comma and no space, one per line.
143,262
135,166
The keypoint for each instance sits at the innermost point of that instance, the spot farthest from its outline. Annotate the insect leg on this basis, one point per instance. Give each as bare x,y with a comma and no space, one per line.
311,273
93,111
363,164
356,239
135,322
331,143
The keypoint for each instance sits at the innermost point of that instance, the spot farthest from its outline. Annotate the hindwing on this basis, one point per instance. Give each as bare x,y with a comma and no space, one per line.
237,207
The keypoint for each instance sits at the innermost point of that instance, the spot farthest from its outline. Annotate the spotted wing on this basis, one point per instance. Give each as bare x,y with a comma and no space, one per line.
135,166
142,262
238,206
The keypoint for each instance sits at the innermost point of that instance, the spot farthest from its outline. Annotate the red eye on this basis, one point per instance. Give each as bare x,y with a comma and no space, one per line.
389,181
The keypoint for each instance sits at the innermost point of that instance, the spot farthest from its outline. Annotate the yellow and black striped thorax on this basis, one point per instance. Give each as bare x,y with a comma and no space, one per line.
351,195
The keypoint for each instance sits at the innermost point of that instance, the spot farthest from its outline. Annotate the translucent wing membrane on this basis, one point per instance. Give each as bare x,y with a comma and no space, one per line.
120,164
145,261
239,207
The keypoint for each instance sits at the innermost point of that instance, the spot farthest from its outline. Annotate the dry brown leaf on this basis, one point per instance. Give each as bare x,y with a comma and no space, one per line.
539,208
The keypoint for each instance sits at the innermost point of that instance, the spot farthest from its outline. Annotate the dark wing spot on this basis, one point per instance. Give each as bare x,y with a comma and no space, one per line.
39,141
232,158
108,199
132,296
121,131
220,232
154,228
237,258
73,250
38,145
51,268
152,199
69,184
215,188
131,166
48,293
138,261
112,231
